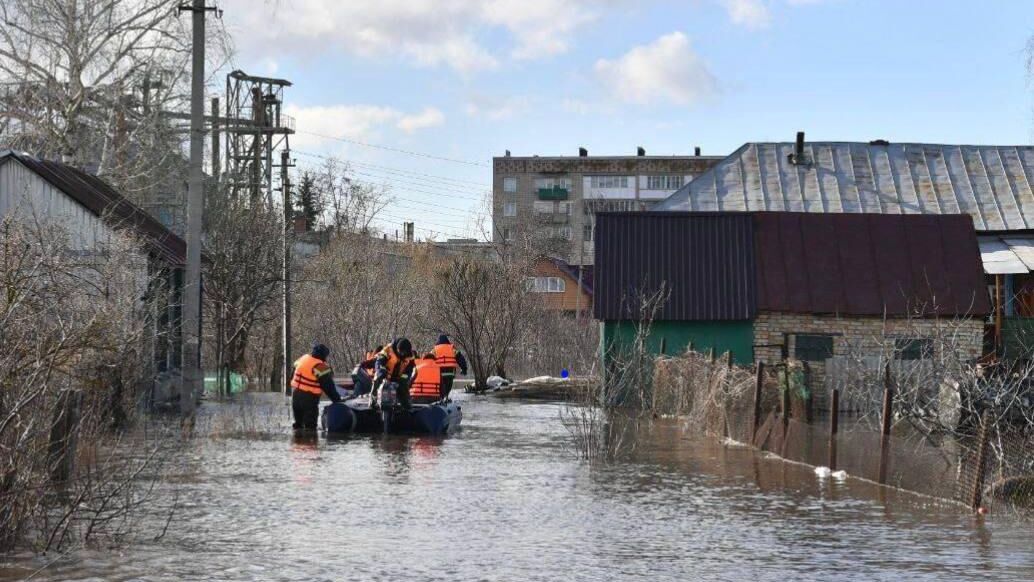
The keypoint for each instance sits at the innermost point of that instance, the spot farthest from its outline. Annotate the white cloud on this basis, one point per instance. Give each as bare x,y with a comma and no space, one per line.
359,122
433,33
496,109
752,14
540,28
665,70
429,117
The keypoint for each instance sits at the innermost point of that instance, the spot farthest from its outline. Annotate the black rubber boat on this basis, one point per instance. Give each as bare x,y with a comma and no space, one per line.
356,416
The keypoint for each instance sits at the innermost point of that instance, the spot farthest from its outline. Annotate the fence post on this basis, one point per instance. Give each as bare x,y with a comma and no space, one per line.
888,412
759,383
63,433
977,496
786,410
834,421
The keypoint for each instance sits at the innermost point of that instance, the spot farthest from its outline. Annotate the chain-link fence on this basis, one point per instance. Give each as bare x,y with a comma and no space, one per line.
984,459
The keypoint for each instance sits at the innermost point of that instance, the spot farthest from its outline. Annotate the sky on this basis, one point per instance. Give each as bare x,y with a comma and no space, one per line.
419,95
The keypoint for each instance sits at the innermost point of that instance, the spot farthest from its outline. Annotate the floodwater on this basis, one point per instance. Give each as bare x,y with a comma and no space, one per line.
505,499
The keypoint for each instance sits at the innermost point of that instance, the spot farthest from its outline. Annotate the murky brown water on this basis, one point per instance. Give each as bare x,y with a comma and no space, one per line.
504,500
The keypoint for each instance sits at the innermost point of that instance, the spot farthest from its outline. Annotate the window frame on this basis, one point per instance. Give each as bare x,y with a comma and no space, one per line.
808,353
509,209
508,180
913,349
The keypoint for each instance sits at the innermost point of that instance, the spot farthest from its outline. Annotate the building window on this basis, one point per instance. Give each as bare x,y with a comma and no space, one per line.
813,348
509,209
913,348
543,207
663,182
564,232
507,234
509,184
608,181
543,183
563,208
545,284
587,232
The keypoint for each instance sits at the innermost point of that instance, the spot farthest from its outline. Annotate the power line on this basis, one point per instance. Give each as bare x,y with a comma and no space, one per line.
443,209
394,149
394,170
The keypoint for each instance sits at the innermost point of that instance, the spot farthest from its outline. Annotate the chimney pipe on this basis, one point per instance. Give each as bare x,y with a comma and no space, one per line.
639,151
696,151
507,153
798,149
583,153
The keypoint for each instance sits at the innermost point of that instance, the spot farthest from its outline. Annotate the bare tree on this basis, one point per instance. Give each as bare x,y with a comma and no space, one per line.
71,319
347,205
242,274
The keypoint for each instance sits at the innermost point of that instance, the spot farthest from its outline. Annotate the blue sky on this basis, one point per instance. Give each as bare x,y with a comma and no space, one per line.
467,79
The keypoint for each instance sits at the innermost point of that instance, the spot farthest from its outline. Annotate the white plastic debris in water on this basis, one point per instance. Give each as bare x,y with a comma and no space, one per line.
823,472
544,380
839,475
494,382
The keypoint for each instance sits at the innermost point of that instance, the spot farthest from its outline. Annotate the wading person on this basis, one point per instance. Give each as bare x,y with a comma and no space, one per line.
393,364
312,378
448,358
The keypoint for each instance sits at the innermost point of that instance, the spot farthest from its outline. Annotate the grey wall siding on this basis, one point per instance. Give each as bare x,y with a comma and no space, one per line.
25,195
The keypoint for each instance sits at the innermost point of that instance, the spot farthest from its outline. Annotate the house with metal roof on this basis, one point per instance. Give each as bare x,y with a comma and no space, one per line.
990,184
768,286
91,212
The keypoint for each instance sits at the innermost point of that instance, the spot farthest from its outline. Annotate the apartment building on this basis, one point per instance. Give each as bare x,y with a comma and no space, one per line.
555,198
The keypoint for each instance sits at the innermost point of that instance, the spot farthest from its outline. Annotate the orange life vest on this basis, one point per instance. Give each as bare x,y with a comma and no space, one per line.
307,372
395,365
445,355
428,382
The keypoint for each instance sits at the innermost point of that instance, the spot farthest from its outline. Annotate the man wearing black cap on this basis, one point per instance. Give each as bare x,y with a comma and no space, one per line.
395,363
312,378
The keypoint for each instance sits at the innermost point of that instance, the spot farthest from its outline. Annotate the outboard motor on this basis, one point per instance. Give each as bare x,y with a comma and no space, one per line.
388,403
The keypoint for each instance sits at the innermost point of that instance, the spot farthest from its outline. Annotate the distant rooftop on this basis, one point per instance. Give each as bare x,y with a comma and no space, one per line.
990,183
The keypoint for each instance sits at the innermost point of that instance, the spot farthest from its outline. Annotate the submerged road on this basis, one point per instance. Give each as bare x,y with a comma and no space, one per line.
505,499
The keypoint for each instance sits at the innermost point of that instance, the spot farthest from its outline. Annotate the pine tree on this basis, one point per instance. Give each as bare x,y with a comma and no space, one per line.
308,202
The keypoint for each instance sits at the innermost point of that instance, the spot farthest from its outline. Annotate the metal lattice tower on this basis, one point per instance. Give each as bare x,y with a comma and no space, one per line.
255,128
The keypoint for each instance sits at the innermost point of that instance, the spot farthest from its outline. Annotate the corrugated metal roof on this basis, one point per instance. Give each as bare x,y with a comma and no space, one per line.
990,183
102,200
729,266
868,264
1007,255
705,260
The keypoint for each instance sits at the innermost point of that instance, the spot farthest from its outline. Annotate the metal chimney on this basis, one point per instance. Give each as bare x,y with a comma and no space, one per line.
583,153
696,151
640,151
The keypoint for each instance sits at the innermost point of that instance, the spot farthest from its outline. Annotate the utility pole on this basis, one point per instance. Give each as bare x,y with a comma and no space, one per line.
192,378
216,160
285,185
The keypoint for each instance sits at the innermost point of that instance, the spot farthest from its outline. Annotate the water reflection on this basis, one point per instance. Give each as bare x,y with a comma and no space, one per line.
504,500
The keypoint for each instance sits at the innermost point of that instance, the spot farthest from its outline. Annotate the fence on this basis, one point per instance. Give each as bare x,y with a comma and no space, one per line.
986,461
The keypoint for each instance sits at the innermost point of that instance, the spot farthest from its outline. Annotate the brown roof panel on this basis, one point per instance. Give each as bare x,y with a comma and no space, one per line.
706,260
868,264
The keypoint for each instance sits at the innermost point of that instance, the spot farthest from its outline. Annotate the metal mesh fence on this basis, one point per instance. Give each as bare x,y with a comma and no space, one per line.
985,461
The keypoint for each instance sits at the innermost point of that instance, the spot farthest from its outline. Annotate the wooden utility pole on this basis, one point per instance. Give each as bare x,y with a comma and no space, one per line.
192,375
216,148
285,185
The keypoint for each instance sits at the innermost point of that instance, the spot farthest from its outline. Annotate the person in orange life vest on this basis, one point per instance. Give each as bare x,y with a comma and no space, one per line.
394,364
362,376
448,358
312,378
427,383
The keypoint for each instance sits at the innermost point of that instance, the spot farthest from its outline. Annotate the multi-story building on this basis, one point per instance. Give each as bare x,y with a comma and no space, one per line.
554,199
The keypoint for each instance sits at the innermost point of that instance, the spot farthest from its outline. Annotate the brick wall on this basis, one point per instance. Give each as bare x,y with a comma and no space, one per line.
857,335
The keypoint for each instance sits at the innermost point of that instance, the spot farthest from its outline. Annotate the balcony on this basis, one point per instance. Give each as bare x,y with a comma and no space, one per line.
554,193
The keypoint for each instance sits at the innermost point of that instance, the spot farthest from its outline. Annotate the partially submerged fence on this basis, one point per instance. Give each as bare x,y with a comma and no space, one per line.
987,459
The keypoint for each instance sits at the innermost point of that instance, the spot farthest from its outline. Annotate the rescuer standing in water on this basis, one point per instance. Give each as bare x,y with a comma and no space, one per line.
312,378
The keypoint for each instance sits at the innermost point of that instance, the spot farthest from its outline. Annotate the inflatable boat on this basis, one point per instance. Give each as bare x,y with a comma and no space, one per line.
356,416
